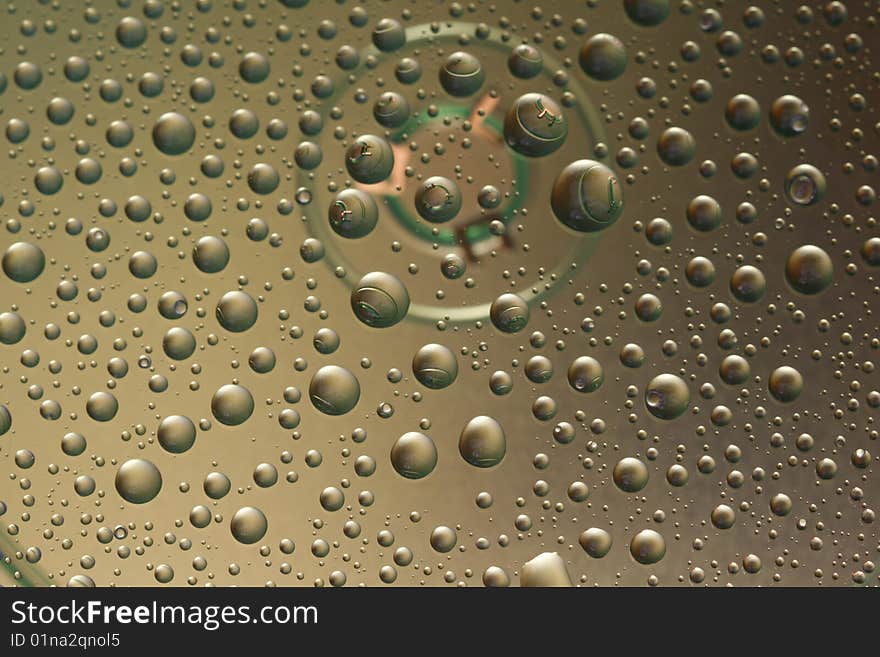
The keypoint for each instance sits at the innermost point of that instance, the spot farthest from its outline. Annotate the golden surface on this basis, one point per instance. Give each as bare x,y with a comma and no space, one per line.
582,290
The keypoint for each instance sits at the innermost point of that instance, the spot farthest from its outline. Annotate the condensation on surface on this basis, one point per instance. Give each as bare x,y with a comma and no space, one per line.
434,294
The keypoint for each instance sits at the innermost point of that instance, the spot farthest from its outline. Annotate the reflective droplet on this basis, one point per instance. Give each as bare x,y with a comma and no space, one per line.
546,570
414,455
596,542
232,404
334,390
173,133
482,442
647,547
603,57
667,396
248,525
23,262
380,300
138,481
176,433
587,196
630,475
809,270
435,366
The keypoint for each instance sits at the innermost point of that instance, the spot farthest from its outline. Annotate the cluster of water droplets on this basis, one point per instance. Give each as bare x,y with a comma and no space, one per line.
495,294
